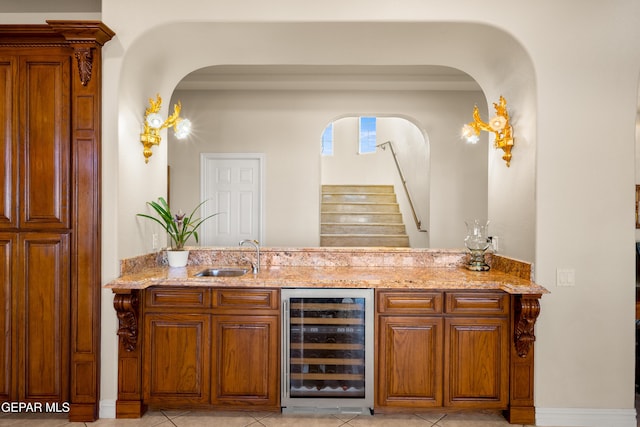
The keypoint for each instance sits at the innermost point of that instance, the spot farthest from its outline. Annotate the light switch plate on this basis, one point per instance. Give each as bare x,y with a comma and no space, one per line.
565,277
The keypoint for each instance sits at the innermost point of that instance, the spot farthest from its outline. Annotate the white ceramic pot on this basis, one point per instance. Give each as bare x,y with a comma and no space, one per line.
177,258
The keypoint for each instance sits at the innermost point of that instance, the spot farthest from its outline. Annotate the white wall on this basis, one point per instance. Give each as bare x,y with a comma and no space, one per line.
347,165
286,126
412,149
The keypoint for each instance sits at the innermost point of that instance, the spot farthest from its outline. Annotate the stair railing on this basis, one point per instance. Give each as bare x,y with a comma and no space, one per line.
404,184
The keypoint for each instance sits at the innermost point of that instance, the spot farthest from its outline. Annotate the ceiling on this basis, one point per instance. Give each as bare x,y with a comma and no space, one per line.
328,77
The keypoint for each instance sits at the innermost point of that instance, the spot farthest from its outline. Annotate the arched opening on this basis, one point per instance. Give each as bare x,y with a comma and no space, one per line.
510,197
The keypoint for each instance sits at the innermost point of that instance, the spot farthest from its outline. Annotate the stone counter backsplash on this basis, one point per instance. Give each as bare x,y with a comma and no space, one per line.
331,257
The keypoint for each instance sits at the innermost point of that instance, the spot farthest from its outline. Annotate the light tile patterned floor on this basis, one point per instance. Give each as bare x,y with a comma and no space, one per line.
264,419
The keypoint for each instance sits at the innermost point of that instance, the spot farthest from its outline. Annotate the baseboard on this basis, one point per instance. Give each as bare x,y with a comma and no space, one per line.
107,409
580,417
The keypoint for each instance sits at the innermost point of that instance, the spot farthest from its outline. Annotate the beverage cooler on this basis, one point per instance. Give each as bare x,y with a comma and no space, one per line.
327,350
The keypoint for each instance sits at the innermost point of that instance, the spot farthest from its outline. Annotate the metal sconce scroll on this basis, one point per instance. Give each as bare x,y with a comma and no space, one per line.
499,125
154,123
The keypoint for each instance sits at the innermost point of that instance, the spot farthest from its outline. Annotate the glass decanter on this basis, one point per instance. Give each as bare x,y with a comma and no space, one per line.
477,242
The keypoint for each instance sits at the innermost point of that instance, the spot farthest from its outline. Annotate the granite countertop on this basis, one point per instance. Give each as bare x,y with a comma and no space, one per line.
397,277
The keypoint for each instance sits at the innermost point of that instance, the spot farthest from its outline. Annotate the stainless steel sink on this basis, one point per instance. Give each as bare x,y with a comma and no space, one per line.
222,272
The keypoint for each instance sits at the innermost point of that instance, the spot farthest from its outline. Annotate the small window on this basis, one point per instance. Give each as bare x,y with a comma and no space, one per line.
327,140
367,135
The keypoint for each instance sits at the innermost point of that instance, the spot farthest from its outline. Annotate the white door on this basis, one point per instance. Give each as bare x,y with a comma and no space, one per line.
231,184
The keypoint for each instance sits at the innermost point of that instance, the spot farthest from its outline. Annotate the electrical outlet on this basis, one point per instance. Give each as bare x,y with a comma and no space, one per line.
565,277
154,241
495,243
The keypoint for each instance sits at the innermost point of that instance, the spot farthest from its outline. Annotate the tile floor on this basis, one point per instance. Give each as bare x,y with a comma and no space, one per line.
264,419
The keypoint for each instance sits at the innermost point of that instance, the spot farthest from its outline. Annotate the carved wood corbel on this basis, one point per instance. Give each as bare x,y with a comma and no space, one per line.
84,57
126,306
527,309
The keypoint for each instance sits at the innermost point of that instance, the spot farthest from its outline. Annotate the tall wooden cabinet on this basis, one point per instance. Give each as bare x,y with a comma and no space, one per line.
50,103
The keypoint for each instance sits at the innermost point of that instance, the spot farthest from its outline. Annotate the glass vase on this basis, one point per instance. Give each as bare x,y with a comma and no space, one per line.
477,242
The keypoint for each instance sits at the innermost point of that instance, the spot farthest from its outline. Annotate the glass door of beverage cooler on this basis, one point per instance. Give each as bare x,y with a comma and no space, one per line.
328,349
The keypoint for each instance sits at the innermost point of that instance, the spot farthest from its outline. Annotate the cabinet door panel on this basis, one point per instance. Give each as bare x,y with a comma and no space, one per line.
476,362
177,358
409,361
43,316
7,272
247,360
45,142
8,165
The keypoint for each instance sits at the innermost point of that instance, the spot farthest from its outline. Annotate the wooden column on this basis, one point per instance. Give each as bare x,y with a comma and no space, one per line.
129,403
525,310
86,39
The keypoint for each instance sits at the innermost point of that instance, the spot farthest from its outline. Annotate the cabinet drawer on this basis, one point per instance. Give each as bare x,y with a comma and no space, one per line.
412,302
477,303
178,297
246,298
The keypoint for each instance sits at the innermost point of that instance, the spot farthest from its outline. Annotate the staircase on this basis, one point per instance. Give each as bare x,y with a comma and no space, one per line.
361,215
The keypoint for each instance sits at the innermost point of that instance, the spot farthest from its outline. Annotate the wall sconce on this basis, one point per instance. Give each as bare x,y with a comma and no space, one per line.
153,124
499,125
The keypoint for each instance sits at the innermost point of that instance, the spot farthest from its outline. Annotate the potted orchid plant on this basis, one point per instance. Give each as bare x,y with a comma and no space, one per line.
179,227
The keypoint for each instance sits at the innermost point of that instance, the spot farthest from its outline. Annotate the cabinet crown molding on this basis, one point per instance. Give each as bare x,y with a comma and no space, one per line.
82,31
55,32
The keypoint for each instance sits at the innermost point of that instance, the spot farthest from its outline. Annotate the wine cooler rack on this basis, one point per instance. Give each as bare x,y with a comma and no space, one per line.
326,351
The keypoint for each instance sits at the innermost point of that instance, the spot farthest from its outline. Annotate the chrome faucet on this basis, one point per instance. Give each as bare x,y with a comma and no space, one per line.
255,267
